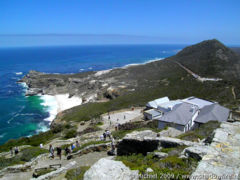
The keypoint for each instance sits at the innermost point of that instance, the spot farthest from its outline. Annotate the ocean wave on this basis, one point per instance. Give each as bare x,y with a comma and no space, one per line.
15,114
18,73
24,86
42,128
146,62
2,135
51,105
171,51
29,114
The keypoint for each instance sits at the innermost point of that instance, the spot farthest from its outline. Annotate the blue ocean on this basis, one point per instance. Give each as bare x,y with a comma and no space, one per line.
25,116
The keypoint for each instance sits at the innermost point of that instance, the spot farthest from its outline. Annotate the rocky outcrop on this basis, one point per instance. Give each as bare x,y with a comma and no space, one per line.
106,169
90,86
138,142
147,141
159,155
221,159
197,152
168,142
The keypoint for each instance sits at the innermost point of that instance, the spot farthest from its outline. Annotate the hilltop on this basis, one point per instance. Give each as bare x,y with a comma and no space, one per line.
210,58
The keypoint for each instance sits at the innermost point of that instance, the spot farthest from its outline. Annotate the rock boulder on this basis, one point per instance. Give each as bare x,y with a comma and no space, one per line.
106,169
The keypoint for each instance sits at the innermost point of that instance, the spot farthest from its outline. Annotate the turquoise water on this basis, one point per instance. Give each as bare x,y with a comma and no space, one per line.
24,116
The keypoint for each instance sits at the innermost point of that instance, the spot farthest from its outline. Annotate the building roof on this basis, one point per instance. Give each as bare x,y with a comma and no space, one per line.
156,102
181,114
153,112
198,102
168,106
212,112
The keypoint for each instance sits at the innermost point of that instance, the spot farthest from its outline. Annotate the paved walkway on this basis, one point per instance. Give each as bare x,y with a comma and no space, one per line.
121,117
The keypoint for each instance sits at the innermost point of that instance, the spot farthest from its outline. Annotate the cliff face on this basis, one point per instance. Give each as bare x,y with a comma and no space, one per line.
208,58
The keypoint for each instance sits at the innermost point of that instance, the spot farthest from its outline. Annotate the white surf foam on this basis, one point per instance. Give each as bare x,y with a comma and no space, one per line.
42,128
2,135
51,105
18,73
58,103
146,62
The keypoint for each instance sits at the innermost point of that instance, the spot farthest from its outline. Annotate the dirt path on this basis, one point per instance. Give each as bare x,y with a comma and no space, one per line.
196,76
233,93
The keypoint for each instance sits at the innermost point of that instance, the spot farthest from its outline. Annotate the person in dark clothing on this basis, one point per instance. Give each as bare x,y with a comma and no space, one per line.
16,150
104,136
59,152
67,151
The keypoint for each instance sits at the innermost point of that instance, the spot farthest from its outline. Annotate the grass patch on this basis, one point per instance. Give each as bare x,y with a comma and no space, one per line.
70,134
174,150
35,140
89,130
204,131
42,172
171,165
24,156
88,144
77,173
99,124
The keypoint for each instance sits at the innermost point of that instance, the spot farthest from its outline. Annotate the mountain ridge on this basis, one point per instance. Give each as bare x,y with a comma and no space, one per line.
210,58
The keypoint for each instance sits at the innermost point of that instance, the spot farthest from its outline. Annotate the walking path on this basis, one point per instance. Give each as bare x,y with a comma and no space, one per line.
84,160
196,76
120,117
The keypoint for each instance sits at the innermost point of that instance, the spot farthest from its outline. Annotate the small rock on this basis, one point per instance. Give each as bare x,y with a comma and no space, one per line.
160,155
149,170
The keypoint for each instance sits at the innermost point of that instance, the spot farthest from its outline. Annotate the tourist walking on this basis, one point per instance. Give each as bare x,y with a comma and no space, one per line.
108,134
16,150
101,137
59,152
104,136
77,144
72,147
51,151
67,151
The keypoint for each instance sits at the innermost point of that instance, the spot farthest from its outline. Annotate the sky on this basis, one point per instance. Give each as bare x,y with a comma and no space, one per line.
79,22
